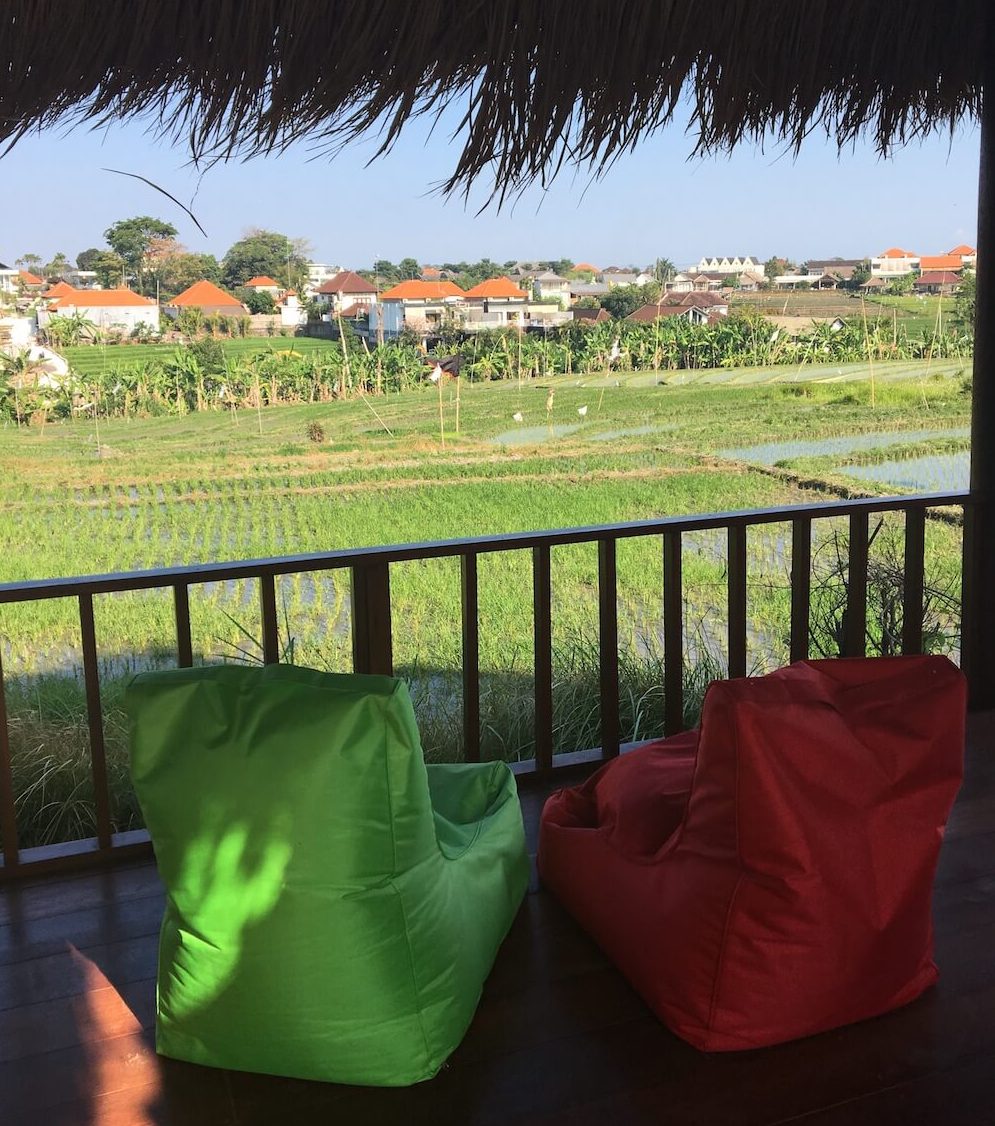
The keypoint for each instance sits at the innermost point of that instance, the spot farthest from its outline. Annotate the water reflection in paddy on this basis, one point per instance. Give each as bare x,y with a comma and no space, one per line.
932,473
769,453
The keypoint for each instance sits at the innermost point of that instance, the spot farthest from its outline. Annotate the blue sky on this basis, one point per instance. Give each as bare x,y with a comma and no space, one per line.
654,202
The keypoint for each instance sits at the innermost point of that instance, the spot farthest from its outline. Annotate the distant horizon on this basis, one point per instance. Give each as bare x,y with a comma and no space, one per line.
653,203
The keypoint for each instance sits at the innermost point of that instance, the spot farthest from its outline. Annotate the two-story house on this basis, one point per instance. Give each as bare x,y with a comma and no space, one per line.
424,306
347,295
894,263
494,304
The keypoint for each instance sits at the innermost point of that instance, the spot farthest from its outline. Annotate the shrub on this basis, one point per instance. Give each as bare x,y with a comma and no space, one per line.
314,432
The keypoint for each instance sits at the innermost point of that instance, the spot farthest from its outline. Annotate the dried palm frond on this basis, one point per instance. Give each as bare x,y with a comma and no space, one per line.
541,83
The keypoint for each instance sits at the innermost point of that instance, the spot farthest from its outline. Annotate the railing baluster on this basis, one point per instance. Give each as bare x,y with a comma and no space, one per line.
372,648
471,657
737,599
181,611
673,635
542,606
801,585
371,626
608,636
855,639
95,719
912,595
8,810
972,638
271,630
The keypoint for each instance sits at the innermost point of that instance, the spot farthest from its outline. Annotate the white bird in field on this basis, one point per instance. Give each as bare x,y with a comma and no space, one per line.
549,399
582,410
436,373
518,416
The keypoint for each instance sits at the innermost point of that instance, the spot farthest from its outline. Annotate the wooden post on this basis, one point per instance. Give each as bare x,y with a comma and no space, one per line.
371,625
979,538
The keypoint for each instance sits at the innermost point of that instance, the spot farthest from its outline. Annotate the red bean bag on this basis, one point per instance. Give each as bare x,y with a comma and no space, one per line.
770,876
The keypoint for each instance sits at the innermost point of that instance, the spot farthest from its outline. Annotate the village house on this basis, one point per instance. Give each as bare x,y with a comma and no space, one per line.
347,295
109,310
207,297
894,263
424,306
8,279
81,279
702,299
579,290
262,283
292,313
654,311
752,280
31,282
548,284
937,281
968,256
494,304
591,316
840,268
931,263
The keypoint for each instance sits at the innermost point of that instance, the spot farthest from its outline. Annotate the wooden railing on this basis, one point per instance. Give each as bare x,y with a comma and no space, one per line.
371,628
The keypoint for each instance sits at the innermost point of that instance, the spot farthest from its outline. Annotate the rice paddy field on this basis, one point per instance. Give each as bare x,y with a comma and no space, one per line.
214,486
89,359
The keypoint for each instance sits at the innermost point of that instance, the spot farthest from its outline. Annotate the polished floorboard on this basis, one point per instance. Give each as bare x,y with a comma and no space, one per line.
559,1037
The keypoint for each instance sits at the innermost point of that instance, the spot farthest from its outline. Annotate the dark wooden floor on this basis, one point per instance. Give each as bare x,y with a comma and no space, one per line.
559,1036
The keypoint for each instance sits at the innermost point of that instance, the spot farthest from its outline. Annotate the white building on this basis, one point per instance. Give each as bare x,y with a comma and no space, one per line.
894,263
727,265
8,279
320,272
347,294
110,310
424,306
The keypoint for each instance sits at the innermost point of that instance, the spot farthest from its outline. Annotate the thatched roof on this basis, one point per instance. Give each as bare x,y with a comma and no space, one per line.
548,82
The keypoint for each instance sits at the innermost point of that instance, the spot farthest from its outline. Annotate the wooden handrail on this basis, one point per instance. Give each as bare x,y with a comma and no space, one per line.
372,627
33,589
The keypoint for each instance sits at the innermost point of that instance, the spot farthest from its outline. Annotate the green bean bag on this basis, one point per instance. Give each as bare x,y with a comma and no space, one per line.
333,905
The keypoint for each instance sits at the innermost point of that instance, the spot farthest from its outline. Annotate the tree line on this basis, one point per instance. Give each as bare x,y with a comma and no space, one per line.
203,376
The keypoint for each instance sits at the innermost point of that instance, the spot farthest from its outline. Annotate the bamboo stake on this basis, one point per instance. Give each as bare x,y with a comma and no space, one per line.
867,345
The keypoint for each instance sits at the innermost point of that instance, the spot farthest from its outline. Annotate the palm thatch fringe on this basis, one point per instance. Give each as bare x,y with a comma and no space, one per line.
542,82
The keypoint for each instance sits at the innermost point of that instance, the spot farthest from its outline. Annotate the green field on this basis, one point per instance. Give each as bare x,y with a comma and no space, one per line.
917,314
94,359
215,486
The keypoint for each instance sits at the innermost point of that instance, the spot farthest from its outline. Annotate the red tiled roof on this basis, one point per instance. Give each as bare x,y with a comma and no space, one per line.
260,281
699,297
897,252
496,287
101,299
940,262
964,251
429,273
356,309
422,291
587,268
346,281
205,293
938,277
60,289
654,311
31,279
